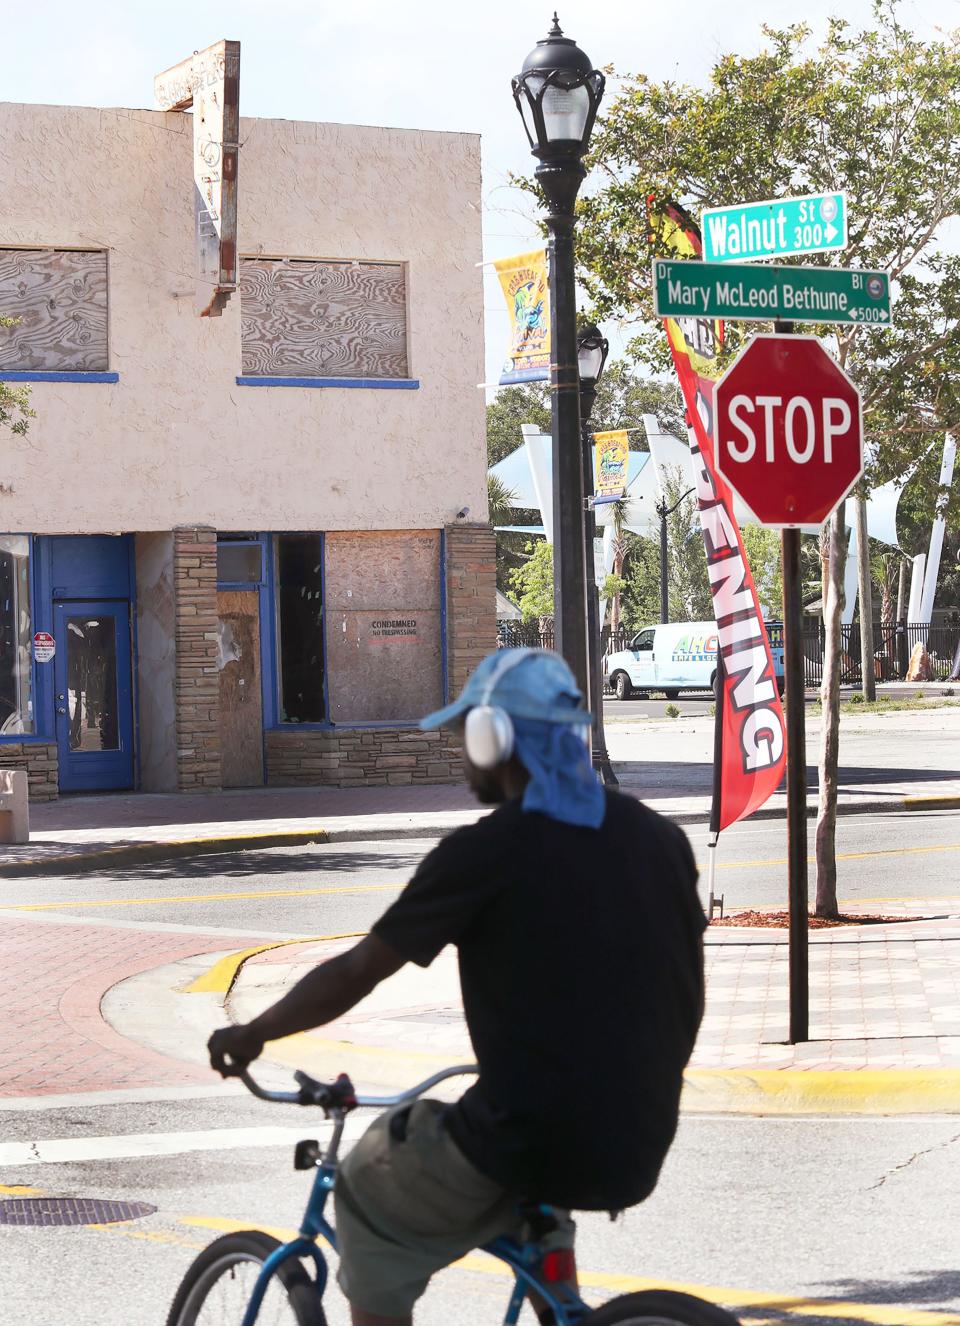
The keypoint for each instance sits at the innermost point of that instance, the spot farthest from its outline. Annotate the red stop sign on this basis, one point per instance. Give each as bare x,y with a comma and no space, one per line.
788,429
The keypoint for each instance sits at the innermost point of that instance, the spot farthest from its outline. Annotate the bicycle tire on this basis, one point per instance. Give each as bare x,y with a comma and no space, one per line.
226,1253
659,1307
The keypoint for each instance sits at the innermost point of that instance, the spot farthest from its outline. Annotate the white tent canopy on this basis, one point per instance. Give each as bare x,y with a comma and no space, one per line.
528,474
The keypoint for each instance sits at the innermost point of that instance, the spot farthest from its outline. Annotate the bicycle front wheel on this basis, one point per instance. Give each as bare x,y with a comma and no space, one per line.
218,1286
659,1307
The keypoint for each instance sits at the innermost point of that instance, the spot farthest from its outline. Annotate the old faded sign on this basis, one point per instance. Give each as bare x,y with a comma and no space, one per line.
209,81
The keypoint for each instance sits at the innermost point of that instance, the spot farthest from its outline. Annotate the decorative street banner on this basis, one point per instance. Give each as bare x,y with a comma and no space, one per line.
523,280
751,742
209,81
613,461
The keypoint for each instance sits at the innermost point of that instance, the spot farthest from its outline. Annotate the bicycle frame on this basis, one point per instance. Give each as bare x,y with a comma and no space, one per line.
524,1259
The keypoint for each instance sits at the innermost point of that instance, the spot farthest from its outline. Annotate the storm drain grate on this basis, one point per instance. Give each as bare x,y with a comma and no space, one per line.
69,1211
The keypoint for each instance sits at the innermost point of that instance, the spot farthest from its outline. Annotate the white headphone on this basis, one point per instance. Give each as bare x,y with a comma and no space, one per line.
488,730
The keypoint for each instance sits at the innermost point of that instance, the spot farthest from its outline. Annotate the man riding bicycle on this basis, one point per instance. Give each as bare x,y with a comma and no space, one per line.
579,932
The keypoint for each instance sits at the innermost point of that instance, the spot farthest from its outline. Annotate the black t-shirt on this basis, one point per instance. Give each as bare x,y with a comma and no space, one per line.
581,965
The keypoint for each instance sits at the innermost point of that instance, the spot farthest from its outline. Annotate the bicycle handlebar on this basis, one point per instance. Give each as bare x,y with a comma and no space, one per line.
341,1092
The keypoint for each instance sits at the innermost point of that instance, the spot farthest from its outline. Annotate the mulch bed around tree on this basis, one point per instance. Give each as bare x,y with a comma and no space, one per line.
781,920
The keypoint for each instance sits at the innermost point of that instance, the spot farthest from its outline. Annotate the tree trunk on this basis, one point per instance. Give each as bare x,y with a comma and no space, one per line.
868,676
829,756
618,559
887,615
902,589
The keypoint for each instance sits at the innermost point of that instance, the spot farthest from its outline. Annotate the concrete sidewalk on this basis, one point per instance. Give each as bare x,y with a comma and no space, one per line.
904,761
884,1018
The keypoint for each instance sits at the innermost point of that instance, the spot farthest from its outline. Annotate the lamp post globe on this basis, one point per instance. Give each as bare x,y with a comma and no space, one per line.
557,93
592,350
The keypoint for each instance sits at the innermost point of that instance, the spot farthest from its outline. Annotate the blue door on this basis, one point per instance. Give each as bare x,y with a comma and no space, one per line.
93,697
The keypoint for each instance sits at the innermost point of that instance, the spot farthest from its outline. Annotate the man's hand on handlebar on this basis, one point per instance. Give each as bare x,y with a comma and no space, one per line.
233,1048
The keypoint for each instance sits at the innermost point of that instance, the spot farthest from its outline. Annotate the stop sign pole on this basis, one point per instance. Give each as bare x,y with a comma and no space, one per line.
795,697
789,441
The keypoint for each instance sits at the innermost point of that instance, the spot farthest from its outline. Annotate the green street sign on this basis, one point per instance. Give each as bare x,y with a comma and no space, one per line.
686,288
777,228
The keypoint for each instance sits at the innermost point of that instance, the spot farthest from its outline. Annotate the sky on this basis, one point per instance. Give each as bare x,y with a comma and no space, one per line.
424,64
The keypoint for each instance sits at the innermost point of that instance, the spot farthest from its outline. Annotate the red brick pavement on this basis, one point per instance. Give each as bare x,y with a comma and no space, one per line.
53,1037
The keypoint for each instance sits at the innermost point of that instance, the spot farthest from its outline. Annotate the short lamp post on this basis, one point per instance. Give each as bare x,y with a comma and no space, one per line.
592,349
557,93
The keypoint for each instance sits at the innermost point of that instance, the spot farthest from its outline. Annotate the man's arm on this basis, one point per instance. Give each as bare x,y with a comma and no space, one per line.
325,993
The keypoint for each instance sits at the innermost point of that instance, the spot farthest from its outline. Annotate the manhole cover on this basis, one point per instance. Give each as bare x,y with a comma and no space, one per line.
69,1211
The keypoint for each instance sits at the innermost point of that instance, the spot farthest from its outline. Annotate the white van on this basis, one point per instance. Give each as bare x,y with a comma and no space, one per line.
680,656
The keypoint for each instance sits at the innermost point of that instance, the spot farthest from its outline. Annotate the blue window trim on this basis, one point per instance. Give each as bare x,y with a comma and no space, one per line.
371,725
269,630
59,377
134,659
269,679
328,721
42,610
369,384
41,674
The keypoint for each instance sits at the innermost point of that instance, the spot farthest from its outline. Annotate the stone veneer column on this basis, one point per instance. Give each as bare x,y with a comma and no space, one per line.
471,567
39,762
197,684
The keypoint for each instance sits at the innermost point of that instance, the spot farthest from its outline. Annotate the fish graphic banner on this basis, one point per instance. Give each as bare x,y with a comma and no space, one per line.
751,742
612,463
525,287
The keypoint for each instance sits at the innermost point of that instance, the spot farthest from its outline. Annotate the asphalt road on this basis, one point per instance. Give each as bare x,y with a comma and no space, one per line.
860,1210
655,705
342,887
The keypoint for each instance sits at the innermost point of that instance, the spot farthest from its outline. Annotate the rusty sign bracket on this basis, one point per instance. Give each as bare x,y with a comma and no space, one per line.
209,81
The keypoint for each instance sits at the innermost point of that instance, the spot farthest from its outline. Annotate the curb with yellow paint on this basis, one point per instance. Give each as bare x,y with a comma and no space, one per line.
821,1091
143,853
222,976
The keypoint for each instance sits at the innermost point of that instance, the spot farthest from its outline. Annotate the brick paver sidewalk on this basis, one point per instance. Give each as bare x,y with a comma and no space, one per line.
882,996
53,1038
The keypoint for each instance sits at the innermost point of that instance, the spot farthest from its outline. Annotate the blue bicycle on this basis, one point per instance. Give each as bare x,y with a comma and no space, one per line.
249,1278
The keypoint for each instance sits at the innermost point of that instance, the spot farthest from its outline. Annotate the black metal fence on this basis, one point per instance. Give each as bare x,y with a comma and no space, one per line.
893,646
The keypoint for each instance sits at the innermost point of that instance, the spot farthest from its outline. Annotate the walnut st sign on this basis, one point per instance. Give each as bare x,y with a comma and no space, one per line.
789,434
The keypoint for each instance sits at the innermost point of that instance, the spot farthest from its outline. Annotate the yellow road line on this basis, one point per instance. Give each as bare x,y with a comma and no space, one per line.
204,897
220,977
844,856
18,1190
386,888
875,1313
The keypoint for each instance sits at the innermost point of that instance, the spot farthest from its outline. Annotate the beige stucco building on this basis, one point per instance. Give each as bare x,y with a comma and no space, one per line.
234,548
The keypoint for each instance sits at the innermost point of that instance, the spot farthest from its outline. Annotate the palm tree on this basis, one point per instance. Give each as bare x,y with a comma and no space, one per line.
500,500
618,518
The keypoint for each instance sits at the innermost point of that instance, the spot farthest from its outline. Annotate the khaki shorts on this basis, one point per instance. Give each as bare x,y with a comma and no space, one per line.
406,1206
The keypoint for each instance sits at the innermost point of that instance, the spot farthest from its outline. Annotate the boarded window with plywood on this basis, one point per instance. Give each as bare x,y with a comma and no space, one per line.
58,298
384,631
304,318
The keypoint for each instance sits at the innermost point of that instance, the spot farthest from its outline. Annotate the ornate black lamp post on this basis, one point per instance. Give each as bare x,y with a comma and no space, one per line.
592,349
557,94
